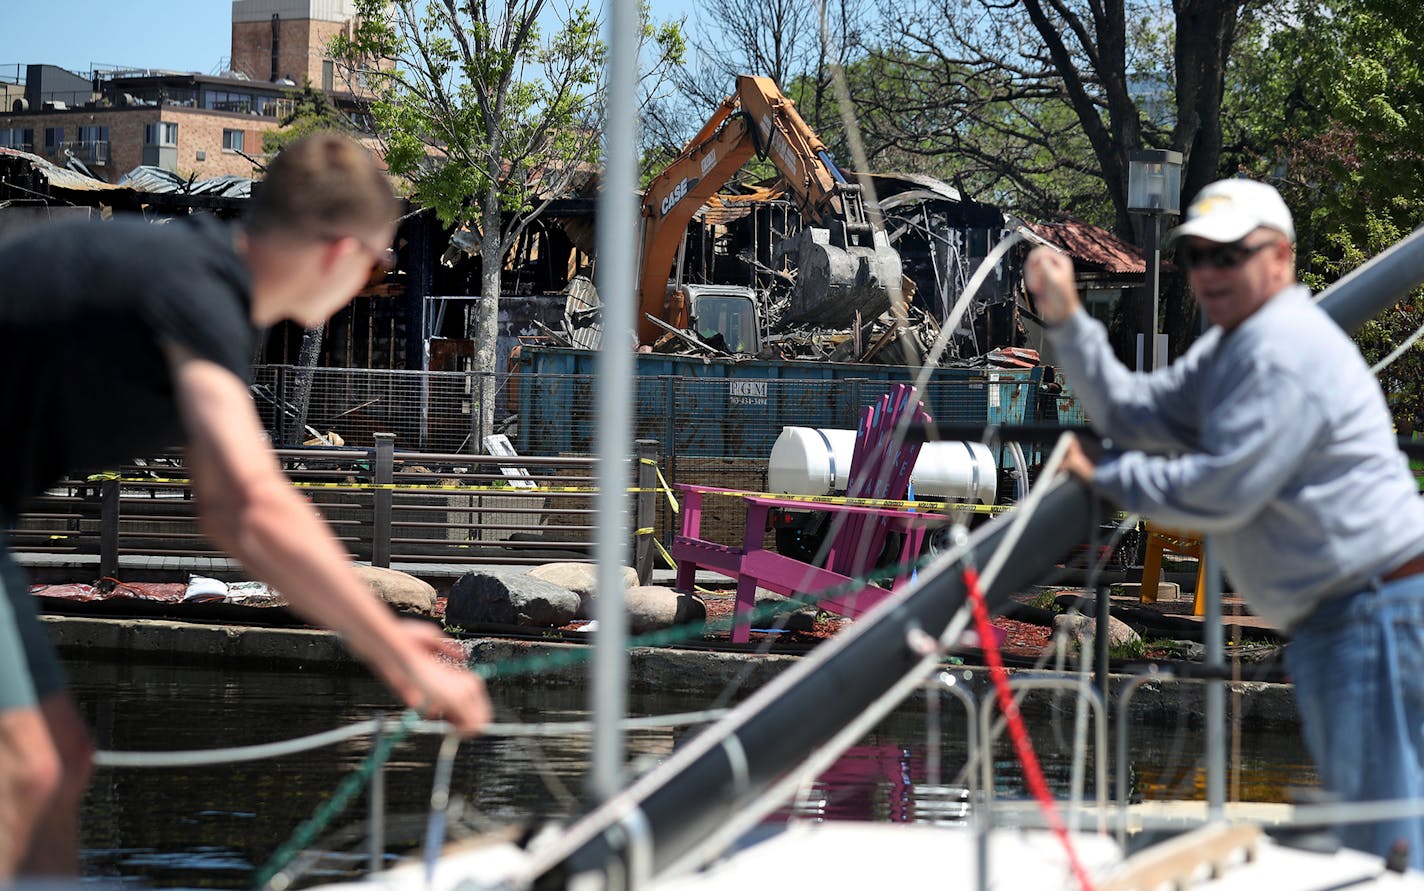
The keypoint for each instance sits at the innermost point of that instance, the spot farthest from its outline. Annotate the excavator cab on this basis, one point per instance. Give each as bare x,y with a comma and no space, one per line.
726,311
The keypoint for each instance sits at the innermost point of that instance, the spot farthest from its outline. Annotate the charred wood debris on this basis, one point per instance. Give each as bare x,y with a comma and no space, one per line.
738,239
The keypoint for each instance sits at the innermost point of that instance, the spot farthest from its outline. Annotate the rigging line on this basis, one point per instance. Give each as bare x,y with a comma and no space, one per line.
1019,518
272,874
234,754
976,281
922,379
1058,650
1398,351
1018,733
1020,515
1078,771
814,764
439,805
850,124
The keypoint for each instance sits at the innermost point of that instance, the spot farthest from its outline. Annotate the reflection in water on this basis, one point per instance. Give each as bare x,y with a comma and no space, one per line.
211,826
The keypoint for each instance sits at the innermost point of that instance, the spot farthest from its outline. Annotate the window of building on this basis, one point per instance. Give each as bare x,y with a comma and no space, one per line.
232,140
93,135
53,137
328,75
222,100
1101,301
161,133
17,138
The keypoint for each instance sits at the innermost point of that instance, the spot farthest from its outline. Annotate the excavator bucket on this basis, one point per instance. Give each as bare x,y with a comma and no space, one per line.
834,280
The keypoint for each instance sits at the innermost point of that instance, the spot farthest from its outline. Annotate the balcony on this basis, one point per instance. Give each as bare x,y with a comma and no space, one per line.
95,152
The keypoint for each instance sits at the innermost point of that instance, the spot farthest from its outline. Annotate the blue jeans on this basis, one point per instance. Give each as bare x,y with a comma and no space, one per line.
1358,667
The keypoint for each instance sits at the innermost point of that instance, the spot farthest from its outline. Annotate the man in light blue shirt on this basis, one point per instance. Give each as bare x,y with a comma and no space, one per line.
1271,435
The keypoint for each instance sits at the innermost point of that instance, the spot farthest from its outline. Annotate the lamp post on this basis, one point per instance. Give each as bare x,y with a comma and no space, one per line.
1154,188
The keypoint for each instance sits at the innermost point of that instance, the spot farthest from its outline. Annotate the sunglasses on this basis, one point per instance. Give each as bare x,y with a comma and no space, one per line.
383,260
1221,256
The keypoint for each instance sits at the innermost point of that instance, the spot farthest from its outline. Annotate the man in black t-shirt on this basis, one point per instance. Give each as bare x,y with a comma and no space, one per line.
123,337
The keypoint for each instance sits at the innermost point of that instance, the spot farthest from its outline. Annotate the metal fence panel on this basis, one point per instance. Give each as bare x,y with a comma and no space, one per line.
425,410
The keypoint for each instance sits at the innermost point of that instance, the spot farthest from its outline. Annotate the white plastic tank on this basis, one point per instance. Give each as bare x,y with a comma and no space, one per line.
816,461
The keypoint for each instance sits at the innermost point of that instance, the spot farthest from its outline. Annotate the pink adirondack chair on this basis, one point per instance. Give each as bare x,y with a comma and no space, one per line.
880,469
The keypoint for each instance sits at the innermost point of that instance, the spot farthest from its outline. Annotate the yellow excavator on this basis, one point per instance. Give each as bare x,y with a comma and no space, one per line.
844,263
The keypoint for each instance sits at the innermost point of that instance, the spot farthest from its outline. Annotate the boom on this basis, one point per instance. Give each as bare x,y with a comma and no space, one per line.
845,264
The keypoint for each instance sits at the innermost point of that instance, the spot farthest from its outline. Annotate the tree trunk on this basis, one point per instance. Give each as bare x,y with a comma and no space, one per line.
484,332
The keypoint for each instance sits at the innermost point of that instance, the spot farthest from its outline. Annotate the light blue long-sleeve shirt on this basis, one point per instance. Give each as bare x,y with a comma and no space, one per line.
1284,450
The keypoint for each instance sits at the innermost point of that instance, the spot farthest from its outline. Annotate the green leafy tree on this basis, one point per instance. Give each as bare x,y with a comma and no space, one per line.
312,112
1028,156
988,81
491,111
1330,107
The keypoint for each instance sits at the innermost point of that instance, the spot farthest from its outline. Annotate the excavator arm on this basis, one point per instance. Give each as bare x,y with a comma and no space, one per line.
713,156
844,264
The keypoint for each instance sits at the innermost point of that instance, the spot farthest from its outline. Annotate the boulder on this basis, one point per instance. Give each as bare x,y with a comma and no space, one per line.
654,607
509,597
582,579
776,611
401,590
1082,629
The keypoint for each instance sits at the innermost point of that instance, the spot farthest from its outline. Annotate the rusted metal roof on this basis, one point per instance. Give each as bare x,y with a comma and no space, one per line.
1093,246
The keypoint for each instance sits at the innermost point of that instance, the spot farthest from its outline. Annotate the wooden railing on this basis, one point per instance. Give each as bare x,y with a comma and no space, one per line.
385,506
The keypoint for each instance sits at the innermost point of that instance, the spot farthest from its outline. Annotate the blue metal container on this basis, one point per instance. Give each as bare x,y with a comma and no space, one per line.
737,407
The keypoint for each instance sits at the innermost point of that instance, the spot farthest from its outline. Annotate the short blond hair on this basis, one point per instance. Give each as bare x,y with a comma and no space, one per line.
321,185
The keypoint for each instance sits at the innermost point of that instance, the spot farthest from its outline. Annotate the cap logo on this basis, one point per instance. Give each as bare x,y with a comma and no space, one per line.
1210,204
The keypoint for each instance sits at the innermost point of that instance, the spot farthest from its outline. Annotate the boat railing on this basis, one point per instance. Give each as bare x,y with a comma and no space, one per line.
384,733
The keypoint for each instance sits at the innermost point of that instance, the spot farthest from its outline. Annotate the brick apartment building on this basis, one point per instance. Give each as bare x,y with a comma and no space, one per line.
112,120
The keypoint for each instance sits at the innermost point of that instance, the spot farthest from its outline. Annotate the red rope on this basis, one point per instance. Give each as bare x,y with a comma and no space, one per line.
1023,747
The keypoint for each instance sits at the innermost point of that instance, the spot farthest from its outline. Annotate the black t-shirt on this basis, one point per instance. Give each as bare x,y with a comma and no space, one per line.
85,311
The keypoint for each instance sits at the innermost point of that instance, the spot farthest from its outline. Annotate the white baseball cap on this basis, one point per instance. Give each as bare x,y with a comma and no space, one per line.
1230,209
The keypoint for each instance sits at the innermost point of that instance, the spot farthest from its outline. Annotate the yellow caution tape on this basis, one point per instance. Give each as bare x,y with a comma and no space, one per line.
672,500
450,489
663,552
663,488
933,506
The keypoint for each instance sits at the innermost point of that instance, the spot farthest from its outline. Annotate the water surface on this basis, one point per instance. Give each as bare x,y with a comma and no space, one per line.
212,826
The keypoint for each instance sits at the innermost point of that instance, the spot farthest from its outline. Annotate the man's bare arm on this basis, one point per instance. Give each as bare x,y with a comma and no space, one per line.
249,508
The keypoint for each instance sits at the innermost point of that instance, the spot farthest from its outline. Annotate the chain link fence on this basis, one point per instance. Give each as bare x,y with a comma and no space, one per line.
426,411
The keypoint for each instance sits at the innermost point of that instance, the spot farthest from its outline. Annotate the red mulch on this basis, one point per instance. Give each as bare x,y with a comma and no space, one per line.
1022,638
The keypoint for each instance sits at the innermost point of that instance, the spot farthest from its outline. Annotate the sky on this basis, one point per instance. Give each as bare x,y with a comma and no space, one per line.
177,35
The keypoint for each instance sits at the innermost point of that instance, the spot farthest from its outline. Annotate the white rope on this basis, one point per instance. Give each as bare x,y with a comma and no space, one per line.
818,761
961,306
1020,515
234,754
1398,351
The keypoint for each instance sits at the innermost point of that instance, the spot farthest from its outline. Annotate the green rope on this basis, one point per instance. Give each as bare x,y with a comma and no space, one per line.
354,782
327,811
533,665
